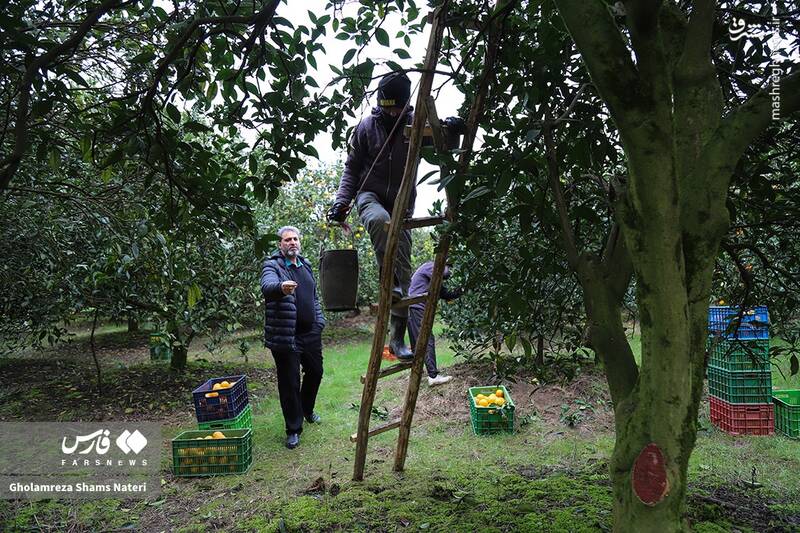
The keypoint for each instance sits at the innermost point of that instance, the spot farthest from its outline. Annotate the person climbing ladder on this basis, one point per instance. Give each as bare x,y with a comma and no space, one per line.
372,175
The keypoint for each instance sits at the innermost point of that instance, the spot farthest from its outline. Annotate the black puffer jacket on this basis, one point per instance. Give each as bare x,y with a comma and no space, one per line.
280,311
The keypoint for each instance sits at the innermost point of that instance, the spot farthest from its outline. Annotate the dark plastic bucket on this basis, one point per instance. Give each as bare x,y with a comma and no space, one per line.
338,272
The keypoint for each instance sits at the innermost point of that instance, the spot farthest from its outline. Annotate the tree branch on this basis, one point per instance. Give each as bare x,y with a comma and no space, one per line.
10,164
561,205
697,47
748,121
605,53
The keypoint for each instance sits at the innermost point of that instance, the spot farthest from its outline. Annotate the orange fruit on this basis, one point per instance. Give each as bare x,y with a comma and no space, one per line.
500,401
217,386
483,402
499,393
218,435
225,384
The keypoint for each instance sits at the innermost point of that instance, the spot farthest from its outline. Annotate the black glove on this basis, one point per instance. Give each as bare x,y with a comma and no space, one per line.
455,125
337,212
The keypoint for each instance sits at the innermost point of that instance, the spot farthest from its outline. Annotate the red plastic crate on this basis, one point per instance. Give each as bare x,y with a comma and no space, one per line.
742,418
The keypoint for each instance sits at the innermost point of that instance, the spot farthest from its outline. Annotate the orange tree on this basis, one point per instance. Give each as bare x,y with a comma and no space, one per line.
620,126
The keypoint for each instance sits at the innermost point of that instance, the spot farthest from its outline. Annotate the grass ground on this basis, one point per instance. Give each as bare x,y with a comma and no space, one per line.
550,475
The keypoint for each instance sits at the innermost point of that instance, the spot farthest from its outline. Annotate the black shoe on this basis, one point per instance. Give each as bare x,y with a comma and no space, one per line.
292,440
313,418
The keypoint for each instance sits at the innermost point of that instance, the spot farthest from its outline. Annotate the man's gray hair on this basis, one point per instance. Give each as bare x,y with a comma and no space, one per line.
284,229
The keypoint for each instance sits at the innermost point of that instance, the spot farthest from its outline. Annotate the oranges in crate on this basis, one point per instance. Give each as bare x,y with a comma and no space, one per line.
223,385
494,399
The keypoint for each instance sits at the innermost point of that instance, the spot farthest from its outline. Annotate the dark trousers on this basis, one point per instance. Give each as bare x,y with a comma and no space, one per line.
415,314
374,217
297,400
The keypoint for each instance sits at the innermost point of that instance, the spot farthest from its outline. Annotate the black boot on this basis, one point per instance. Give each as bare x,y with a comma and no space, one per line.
397,334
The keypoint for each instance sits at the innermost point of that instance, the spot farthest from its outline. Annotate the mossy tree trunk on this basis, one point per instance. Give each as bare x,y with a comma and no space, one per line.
670,218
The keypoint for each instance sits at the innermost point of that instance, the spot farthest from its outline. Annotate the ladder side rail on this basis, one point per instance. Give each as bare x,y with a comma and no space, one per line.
387,269
475,114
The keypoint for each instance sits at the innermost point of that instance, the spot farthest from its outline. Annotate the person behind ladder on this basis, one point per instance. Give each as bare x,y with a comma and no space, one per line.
420,284
374,183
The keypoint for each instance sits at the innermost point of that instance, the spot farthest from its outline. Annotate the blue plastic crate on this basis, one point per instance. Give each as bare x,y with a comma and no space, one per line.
210,404
754,324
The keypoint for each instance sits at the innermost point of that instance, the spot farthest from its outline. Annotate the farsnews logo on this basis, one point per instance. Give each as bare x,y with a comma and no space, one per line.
100,443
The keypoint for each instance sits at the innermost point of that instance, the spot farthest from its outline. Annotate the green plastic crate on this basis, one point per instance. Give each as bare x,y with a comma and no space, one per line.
740,387
787,412
243,421
488,420
160,349
212,457
739,356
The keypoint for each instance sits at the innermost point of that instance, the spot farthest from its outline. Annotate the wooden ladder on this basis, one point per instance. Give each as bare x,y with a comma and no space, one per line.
425,111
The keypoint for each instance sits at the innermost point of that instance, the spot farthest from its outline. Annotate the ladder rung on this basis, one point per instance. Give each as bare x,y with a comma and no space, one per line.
389,370
380,429
422,222
410,300
427,131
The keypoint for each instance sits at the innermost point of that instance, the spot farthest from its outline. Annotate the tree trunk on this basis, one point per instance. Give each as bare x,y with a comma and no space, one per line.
94,354
658,412
133,323
540,351
178,361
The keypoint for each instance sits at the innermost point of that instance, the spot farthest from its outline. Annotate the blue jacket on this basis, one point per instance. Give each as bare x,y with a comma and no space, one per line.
280,310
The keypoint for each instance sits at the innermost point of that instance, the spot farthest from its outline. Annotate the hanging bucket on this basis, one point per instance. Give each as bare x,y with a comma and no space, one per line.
338,273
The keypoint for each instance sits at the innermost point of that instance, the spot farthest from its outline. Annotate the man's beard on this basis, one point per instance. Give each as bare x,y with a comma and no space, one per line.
291,252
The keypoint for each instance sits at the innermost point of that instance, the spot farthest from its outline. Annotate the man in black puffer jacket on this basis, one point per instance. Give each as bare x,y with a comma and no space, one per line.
293,324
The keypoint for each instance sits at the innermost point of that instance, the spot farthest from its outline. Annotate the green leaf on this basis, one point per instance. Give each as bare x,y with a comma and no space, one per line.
280,21
196,127
348,56
252,163
382,36
77,78
426,176
402,53
145,57
476,192
54,159
86,148
794,365
211,92
173,113
194,295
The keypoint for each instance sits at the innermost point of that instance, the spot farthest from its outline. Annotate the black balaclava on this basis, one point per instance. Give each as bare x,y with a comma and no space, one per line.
394,90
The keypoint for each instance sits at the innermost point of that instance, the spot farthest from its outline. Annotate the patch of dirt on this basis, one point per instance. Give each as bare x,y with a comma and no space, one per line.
113,350
741,507
588,404
66,390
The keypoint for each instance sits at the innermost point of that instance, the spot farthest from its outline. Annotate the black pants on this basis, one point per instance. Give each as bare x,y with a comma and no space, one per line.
297,400
415,314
